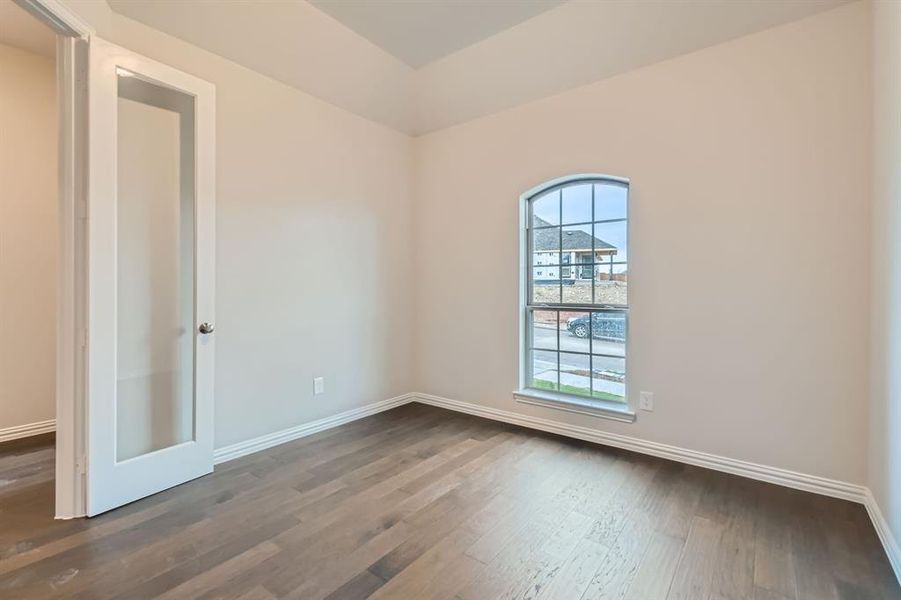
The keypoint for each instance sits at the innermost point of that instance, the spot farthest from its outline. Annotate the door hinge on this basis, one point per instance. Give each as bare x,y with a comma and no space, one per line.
83,338
82,465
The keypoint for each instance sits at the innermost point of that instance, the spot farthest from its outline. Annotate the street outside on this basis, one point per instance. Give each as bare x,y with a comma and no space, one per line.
574,368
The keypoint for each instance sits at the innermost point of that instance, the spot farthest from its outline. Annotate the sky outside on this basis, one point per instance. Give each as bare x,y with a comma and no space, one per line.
610,201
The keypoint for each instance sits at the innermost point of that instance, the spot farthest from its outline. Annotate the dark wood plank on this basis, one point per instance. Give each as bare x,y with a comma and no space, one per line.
26,445
423,503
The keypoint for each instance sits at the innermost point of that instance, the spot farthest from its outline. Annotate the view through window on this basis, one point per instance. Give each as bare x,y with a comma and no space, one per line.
577,303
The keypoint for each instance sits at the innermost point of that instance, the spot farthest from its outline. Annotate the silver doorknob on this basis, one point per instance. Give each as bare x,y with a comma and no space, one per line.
206,328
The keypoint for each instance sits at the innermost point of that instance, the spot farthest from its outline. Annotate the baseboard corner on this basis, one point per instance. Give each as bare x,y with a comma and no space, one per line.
889,542
775,475
784,477
239,449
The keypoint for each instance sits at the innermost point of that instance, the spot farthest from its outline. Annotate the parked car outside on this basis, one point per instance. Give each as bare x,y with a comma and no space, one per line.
605,326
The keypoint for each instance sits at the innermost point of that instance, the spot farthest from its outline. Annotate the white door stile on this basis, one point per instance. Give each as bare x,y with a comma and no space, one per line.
111,482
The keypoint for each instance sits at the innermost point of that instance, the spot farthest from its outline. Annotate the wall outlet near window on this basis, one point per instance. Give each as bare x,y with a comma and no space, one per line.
318,385
646,401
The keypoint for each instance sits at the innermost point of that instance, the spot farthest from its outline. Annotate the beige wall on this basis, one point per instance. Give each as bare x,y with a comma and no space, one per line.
28,237
750,273
314,254
885,416
749,161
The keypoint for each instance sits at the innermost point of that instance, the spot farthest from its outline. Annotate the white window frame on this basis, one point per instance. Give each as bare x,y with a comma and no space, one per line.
559,400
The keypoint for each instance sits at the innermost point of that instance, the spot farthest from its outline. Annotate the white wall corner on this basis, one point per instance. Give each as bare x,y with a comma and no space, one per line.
792,479
784,477
892,550
233,451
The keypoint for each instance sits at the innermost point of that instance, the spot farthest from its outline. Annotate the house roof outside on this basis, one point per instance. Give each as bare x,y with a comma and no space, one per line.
548,240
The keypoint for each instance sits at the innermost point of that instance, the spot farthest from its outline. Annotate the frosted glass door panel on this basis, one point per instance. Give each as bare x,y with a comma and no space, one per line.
155,268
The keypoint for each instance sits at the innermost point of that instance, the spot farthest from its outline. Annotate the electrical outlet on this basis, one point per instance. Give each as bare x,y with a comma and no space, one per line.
646,401
318,385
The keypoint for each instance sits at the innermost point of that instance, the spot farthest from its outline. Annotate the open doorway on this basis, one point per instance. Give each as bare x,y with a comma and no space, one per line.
135,265
29,247
43,153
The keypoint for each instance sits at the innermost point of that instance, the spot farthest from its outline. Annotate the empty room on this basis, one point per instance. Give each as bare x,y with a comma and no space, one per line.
450,299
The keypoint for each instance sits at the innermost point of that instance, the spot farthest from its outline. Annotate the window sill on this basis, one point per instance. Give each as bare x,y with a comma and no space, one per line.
594,408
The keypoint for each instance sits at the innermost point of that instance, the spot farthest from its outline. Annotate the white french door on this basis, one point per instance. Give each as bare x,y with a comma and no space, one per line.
151,227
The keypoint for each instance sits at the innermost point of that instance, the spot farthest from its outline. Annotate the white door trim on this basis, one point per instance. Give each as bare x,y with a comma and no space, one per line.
58,17
73,34
71,365
71,339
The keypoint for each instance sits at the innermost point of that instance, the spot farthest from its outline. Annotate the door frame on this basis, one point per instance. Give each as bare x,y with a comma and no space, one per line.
73,37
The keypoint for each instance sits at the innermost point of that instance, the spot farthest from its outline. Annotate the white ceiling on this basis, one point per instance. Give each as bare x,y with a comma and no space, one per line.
20,30
421,31
562,47
581,42
290,41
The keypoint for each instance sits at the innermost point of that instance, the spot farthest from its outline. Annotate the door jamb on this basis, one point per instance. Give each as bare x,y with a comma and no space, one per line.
58,17
73,36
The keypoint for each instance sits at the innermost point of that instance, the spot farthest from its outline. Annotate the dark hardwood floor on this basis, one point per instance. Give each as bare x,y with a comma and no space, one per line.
423,503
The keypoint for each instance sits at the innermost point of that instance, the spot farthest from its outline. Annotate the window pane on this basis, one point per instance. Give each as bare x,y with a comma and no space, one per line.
608,334
610,241
610,286
566,270
577,204
546,209
608,326
575,290
577,243
544,370
544,329
542,259
574,374
545,285
608,378
575,331
546,245
610,201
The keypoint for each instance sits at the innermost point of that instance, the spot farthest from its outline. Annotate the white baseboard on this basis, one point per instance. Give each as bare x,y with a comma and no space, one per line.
792,479
885,534
221,455
783,477
21,431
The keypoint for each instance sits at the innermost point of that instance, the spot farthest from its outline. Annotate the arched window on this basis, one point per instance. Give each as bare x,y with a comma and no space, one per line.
576,305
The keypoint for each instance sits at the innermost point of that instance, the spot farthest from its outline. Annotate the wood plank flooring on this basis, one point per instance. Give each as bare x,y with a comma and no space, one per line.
423,503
